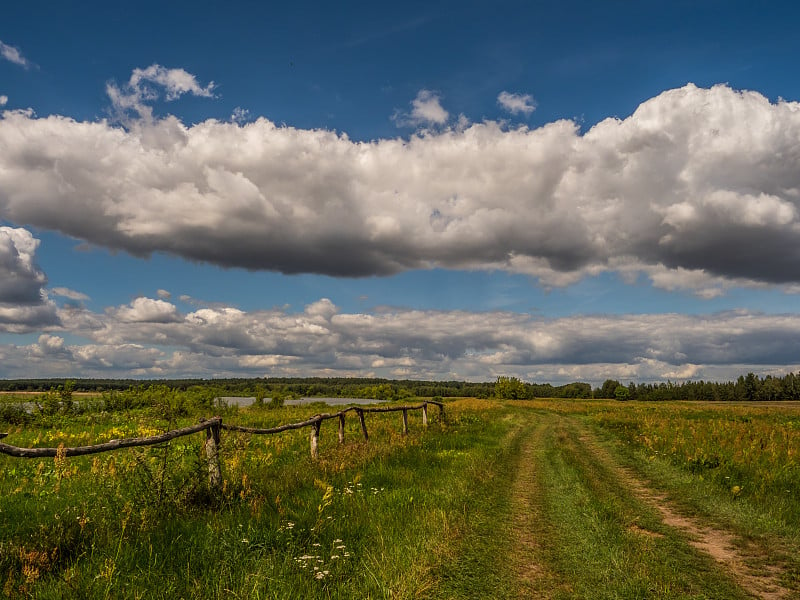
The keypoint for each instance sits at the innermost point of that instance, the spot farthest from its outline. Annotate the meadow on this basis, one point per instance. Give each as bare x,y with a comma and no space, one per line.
506,499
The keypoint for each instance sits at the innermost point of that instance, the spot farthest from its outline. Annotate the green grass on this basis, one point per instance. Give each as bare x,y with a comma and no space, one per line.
505,500
377,518
607,544
707,463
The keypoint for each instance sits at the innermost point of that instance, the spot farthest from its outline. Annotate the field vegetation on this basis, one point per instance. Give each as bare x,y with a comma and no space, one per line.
506,499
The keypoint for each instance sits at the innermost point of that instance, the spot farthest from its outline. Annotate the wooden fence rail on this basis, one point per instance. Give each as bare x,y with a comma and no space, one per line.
315,422
108,446
213,427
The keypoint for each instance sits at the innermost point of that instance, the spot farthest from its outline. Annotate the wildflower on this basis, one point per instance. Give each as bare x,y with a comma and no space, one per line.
30,573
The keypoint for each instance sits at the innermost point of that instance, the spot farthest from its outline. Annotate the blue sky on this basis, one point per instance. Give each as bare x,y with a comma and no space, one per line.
425,190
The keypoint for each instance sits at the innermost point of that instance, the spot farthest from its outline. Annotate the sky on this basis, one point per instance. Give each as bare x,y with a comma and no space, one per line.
559,192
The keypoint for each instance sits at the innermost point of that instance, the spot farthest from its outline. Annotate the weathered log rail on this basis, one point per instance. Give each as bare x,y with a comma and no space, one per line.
315,422
107,446
213,427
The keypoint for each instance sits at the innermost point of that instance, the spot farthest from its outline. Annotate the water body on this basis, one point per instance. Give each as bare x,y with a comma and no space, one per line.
243,401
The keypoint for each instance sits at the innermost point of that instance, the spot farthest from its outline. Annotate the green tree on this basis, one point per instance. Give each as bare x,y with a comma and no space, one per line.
622,393
609,388
65,395
510,388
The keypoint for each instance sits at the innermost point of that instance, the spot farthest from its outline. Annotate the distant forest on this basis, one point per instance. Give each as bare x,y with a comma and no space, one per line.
746,387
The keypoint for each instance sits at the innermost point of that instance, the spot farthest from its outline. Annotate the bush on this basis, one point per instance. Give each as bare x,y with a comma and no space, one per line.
14,414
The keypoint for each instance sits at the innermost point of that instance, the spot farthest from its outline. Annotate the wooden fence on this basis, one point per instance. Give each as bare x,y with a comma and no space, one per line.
214,426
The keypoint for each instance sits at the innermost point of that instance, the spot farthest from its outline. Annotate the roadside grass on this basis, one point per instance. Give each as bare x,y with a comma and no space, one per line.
734,468
750,452
368,520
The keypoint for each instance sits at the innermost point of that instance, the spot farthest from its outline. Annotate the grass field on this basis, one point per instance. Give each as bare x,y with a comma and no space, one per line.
527,499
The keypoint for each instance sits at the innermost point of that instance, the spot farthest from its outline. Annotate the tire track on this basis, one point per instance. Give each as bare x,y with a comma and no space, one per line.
721,545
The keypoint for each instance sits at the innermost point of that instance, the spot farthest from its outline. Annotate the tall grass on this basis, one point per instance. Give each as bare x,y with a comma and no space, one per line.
748,452
426,515
367,520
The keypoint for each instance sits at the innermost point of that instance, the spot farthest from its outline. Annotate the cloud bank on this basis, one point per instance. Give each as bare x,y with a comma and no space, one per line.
698,188
154,338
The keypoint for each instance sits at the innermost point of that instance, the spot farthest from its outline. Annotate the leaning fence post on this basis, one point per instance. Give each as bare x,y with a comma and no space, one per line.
212,453
363,424
424,415
405,421
315,439
341,428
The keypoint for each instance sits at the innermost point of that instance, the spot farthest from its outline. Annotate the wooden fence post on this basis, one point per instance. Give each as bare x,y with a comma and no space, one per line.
424,415
405,422
341,428
212,454
315,439
363,424
441,414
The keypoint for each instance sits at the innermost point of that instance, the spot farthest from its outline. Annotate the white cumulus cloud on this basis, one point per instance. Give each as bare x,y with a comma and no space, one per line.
426,109
516,103
139,91
24,306
698,189
21,280
147,310
13,54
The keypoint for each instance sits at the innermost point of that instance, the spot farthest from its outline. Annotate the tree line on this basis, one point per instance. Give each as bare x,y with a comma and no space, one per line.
748,387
